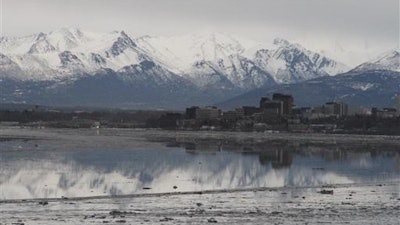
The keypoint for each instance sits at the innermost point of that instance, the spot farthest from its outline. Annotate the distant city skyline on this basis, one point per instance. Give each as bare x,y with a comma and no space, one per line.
365,27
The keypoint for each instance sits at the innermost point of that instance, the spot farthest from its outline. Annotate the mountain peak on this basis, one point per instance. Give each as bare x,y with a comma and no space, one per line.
281,42
387,61
41,45
40,36
390,54
123,34
67,32
65,38
122,43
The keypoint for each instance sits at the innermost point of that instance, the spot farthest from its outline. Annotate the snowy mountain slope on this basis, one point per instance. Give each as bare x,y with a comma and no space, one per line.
374,83
291,63
229,72
10,67
373,88
386,61
59,40
211,60
137,86
208,60
70,53
180,53
114,68
210,57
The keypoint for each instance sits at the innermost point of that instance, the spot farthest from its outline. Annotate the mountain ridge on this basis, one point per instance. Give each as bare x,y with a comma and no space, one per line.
47,54
194,69
371,88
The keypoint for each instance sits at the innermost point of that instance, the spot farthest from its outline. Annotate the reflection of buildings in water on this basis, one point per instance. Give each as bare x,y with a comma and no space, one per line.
331,153
279,158
104,172
195,146
200,146
235,147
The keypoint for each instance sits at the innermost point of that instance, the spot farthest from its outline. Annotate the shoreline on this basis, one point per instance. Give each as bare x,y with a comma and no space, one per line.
145,132
202,192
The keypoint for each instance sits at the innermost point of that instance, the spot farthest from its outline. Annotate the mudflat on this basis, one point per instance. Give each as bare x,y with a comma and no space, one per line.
136,176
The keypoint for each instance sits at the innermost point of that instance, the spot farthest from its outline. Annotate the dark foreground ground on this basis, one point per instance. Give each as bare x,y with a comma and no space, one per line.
347,204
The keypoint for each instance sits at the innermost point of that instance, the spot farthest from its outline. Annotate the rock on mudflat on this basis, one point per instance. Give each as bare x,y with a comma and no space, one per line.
212,220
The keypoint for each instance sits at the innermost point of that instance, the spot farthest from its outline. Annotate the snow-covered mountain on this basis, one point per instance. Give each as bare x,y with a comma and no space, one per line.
291,63
180,53
386,61
372,88
211,60
208,60
69,53
71,66
374,83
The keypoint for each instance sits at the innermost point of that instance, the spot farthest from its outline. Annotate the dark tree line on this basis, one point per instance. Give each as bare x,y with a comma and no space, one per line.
140,118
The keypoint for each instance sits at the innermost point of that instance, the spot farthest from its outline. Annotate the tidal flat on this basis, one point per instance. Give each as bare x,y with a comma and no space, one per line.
144,176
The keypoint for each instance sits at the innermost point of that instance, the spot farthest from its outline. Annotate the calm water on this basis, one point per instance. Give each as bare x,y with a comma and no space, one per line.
55,168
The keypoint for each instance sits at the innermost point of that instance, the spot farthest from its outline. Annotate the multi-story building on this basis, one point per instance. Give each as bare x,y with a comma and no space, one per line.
250,110
233,115
287,102
203,113
268,106
384,113
335,109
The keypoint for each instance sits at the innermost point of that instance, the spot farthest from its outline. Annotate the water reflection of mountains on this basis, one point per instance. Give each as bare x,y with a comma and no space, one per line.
193,164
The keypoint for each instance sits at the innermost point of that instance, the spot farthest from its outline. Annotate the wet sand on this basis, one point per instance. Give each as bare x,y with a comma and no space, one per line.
115,137
347,204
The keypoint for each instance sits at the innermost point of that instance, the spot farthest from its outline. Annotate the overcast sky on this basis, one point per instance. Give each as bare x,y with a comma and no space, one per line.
348,22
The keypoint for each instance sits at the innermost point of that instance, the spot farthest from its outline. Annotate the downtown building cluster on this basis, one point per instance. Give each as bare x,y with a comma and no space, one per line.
275,114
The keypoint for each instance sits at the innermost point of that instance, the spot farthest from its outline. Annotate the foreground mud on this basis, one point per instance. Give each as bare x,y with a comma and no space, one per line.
347,204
